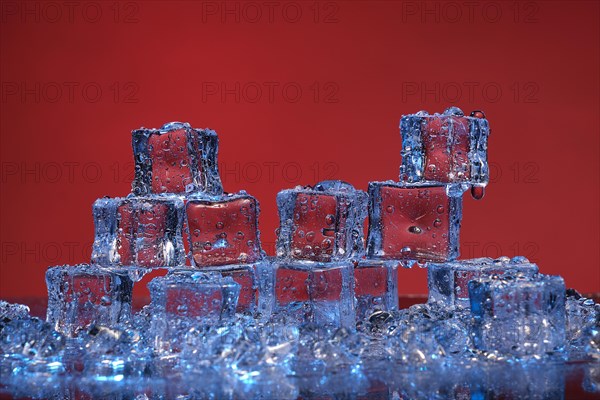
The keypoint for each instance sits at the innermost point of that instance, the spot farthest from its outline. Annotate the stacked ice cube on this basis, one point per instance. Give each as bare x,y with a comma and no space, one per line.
176,197
319,240
323,275
516,310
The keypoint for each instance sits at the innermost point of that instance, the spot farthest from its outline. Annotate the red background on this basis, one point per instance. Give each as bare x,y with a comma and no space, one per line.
533,67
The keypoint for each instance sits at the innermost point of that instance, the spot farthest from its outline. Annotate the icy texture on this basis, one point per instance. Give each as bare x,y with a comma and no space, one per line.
583,325
185,299
448,147
321,223
116,352
28,346
414,222
81,295
448,282
319,293
223,230
175,159
138,231
9,311
519,315
375,287
424,351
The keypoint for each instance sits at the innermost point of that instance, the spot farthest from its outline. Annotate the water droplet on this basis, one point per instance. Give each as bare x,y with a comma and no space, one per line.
207,246
455,111
477,114
440,209
310,236
437,223
405,251
326,243
389,209
415,229
477,192
220,225
240,235
329,219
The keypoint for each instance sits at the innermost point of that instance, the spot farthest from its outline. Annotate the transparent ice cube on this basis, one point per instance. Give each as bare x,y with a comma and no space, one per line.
185,299
519,315
448,148
319,293
375,287
81,295
418,222
223,230
138,231
448,282
175,159
321,223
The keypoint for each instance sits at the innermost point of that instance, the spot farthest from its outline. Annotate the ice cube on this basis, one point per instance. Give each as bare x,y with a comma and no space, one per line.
321,223
175,159
582,319
223,230
319,293
518,315
448,282
81,295
184,299
256,287
375,287
138,231
418,222
447,148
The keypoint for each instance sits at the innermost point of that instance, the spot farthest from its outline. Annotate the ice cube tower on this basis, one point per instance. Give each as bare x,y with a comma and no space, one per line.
176,196
322,273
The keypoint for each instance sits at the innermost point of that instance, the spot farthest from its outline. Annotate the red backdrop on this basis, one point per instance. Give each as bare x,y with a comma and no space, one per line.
298,92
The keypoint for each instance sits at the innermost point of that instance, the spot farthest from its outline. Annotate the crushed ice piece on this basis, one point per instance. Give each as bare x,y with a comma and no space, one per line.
321,223
448,282
175,159
10,311
138,232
